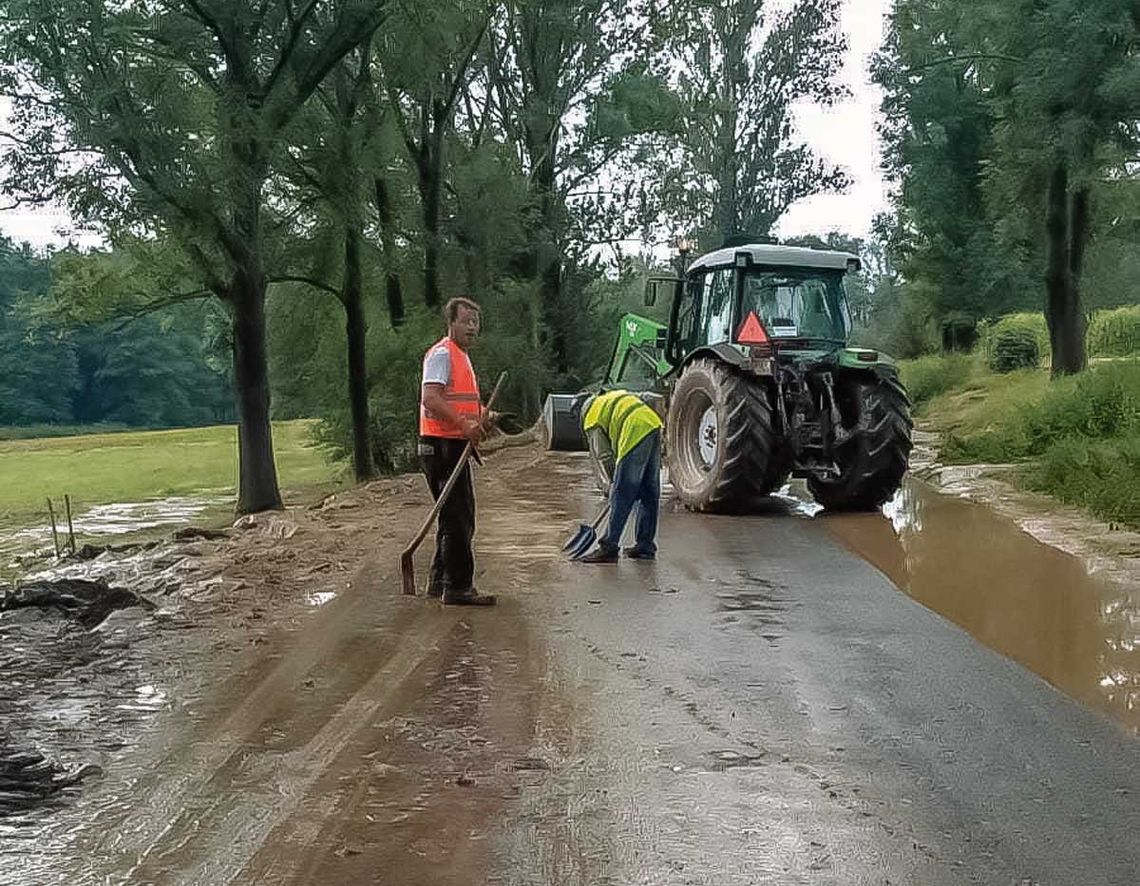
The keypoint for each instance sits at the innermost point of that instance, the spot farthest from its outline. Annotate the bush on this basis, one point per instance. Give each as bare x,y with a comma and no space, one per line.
1098,404
1080,435
1026,325
927,377
1014,349
1115,333
1103,476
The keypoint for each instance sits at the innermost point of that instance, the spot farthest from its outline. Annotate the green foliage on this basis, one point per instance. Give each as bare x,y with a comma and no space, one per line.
927,377
743,68
898,321
985,103
1025,423
1102,403
1115,333
1025,334
1014,349
1103,476
1077,437
938,137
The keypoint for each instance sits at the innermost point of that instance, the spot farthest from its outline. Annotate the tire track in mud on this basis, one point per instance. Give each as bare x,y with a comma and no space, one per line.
208,804
269,778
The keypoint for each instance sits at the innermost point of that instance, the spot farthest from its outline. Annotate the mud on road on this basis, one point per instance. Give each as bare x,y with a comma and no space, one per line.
757,707
282,713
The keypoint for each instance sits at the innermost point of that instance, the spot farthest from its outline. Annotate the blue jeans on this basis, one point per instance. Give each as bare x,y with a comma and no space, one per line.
637,481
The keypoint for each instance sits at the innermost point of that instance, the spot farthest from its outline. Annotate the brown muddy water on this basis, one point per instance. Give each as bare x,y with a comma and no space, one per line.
21,547
1031,602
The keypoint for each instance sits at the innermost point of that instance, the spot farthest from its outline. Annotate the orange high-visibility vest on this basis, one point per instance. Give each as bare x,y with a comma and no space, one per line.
462,392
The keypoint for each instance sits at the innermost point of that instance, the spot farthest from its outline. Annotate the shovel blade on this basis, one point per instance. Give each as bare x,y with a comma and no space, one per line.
582,541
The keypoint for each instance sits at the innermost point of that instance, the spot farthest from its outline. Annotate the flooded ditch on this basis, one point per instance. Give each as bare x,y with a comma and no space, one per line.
24,546
1031,602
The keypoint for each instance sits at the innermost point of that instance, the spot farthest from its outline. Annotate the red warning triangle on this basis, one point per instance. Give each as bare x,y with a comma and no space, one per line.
752,332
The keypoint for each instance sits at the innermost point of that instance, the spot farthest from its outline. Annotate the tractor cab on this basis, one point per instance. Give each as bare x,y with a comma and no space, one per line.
759,299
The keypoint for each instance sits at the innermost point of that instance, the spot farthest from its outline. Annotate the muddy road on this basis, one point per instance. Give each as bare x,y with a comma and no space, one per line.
762,705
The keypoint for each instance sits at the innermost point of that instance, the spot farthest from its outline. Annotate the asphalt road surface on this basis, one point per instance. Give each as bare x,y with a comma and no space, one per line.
759,706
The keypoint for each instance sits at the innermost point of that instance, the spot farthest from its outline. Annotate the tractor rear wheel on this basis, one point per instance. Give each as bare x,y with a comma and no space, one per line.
723,449
873,460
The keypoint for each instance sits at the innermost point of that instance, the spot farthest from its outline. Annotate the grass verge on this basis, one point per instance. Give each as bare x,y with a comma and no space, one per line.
1078,439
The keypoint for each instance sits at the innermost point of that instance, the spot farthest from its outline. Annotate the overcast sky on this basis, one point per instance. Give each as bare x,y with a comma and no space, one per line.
844,134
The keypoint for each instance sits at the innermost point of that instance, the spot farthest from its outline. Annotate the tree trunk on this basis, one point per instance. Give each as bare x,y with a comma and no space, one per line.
1067,233
432,296
393,291
257,472
356,329
726,165
546,255
431,196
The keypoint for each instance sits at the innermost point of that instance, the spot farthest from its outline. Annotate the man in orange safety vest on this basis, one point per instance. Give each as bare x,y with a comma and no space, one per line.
451,415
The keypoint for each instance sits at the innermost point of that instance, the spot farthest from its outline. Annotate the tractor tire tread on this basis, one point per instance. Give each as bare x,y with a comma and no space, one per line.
754,463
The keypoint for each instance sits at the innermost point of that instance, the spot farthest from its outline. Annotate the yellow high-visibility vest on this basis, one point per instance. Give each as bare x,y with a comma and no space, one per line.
624,417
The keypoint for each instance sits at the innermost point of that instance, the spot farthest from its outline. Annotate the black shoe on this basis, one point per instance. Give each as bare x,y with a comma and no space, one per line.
600,555
636,553
470,597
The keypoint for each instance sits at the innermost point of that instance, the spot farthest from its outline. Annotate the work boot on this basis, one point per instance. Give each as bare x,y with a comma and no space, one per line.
601,555
470,597
636,553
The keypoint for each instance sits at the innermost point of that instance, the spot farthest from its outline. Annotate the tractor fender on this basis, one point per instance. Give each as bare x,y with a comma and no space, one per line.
885,373
724,352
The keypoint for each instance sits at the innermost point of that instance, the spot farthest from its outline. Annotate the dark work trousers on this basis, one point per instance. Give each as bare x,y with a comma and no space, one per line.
453,569
637,481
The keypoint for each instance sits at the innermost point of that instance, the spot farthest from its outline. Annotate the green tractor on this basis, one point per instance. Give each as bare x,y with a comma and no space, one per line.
763,386
760,385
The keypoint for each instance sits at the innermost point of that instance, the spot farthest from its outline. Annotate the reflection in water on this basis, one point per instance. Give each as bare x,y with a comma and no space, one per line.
1028,601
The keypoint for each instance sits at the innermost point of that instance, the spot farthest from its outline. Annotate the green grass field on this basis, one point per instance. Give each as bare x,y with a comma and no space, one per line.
137,466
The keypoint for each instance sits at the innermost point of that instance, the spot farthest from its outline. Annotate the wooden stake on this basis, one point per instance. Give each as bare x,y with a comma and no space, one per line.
70,526
54,532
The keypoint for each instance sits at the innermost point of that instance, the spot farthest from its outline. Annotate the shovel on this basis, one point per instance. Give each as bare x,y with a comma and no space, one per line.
584,539
407,562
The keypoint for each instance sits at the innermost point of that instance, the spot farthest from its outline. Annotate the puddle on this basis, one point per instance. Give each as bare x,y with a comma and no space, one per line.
103,521
1029,601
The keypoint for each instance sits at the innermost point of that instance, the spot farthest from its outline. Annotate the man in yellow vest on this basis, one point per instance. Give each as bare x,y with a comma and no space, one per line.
451,415
624,434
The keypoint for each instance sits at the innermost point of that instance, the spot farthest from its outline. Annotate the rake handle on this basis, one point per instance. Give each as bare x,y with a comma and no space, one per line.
407,566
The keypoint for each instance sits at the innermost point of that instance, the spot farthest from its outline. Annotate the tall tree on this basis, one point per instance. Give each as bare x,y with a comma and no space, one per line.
1067,94
178,109
329,170
426,61
937,127
571,89
742,66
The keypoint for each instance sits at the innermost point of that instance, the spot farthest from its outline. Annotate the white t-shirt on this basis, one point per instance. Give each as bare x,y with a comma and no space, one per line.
437,366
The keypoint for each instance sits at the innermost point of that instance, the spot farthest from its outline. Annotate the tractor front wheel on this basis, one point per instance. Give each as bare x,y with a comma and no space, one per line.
722,447
873,458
